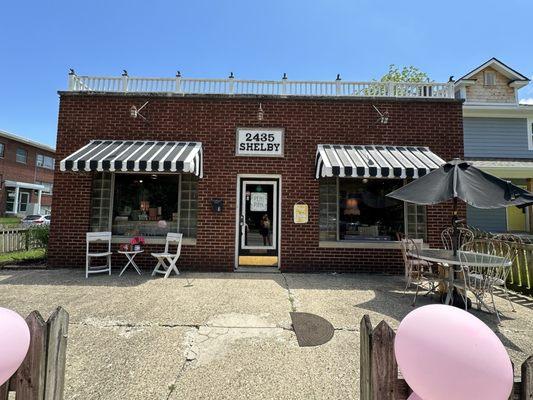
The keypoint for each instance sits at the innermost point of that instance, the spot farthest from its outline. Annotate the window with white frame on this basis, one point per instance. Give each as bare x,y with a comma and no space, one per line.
354,210
2,149
47,187
149,205
489,78
22,156
44,161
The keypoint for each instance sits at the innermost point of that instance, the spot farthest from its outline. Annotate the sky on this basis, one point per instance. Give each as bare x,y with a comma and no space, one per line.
308,39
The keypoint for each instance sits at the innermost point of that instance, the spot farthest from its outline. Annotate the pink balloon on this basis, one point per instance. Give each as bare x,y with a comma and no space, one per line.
446,353
14,342
414,396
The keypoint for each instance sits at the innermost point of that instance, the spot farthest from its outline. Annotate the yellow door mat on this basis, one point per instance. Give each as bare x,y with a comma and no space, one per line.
263,261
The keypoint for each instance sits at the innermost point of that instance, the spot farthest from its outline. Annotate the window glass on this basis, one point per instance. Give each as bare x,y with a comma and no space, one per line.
22,156
44,161
101,202
188,205
365,213
10,201
490,78
47,187
2,148
328,209
416,221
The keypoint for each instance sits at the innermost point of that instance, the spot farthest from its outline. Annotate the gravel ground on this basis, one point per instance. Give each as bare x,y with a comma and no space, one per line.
221,336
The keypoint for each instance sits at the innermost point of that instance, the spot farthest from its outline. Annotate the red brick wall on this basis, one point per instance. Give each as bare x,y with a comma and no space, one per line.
213,121
11,170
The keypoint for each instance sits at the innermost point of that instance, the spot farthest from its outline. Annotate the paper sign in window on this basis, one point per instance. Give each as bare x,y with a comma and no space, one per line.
259,201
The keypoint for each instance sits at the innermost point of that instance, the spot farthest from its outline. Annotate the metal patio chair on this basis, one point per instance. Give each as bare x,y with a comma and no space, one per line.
480,276
95,238
418,272
166,261
464,235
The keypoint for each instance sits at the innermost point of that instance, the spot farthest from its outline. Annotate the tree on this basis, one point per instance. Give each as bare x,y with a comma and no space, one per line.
406,74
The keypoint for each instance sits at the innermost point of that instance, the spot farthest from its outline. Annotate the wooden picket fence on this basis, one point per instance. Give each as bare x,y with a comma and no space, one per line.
379,379
14,239
42,373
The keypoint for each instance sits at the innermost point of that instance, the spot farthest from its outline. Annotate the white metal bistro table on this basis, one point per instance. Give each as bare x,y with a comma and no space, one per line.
130,255
447,258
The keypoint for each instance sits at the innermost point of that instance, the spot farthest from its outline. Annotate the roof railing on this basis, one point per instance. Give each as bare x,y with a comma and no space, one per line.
233,86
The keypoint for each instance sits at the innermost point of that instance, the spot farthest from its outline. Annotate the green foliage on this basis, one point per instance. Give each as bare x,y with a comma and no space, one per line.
38,235
16,257
9,222
405,74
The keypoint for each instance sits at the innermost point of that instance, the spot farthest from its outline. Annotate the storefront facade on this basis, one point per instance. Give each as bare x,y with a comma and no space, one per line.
216,167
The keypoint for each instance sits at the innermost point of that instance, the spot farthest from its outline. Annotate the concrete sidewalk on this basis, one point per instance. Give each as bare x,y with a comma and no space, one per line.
220,336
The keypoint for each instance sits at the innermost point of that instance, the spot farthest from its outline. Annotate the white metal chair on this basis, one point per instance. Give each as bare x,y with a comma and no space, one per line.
166,261
464,236
481,276
95,238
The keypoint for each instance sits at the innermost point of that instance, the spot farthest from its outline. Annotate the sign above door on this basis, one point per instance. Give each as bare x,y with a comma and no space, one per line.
260,142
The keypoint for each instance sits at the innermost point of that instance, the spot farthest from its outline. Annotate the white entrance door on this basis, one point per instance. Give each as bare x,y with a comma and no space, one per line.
258,221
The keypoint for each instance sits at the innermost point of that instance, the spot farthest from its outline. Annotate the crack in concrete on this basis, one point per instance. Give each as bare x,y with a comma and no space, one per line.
159,325
290,295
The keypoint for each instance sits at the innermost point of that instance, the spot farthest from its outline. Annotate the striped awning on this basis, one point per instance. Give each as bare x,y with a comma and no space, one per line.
136,156
375,161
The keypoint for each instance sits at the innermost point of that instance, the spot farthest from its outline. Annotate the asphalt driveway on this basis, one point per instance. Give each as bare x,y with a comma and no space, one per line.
220,336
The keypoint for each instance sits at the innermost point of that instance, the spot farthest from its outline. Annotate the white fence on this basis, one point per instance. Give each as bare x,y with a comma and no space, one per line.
284,87
14,239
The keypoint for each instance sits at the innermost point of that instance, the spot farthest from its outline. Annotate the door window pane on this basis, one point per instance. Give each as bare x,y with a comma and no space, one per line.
259,215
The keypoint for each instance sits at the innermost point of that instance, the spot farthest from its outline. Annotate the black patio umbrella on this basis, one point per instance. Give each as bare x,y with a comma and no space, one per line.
457,179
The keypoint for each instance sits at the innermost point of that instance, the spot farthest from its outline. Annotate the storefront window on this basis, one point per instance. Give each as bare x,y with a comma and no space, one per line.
359,210
149,205
145,205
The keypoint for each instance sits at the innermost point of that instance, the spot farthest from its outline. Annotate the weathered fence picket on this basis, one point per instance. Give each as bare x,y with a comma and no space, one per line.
42,373
379,379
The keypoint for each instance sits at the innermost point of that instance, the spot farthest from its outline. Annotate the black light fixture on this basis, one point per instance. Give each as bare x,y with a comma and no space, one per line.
217,205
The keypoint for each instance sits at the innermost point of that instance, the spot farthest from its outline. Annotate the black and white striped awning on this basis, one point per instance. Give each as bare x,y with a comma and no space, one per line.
375,161
136,156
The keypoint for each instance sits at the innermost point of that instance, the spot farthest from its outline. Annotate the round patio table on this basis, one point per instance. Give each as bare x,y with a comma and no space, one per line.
447,258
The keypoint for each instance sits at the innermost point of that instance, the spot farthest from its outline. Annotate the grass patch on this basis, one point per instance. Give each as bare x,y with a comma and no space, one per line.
9,221
17,257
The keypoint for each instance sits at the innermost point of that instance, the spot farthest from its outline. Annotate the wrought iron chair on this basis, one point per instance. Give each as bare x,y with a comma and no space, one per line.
464,235
515,244
480,274
418,272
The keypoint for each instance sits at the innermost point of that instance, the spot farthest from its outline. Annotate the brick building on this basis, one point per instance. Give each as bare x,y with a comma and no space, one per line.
27,176
294,179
